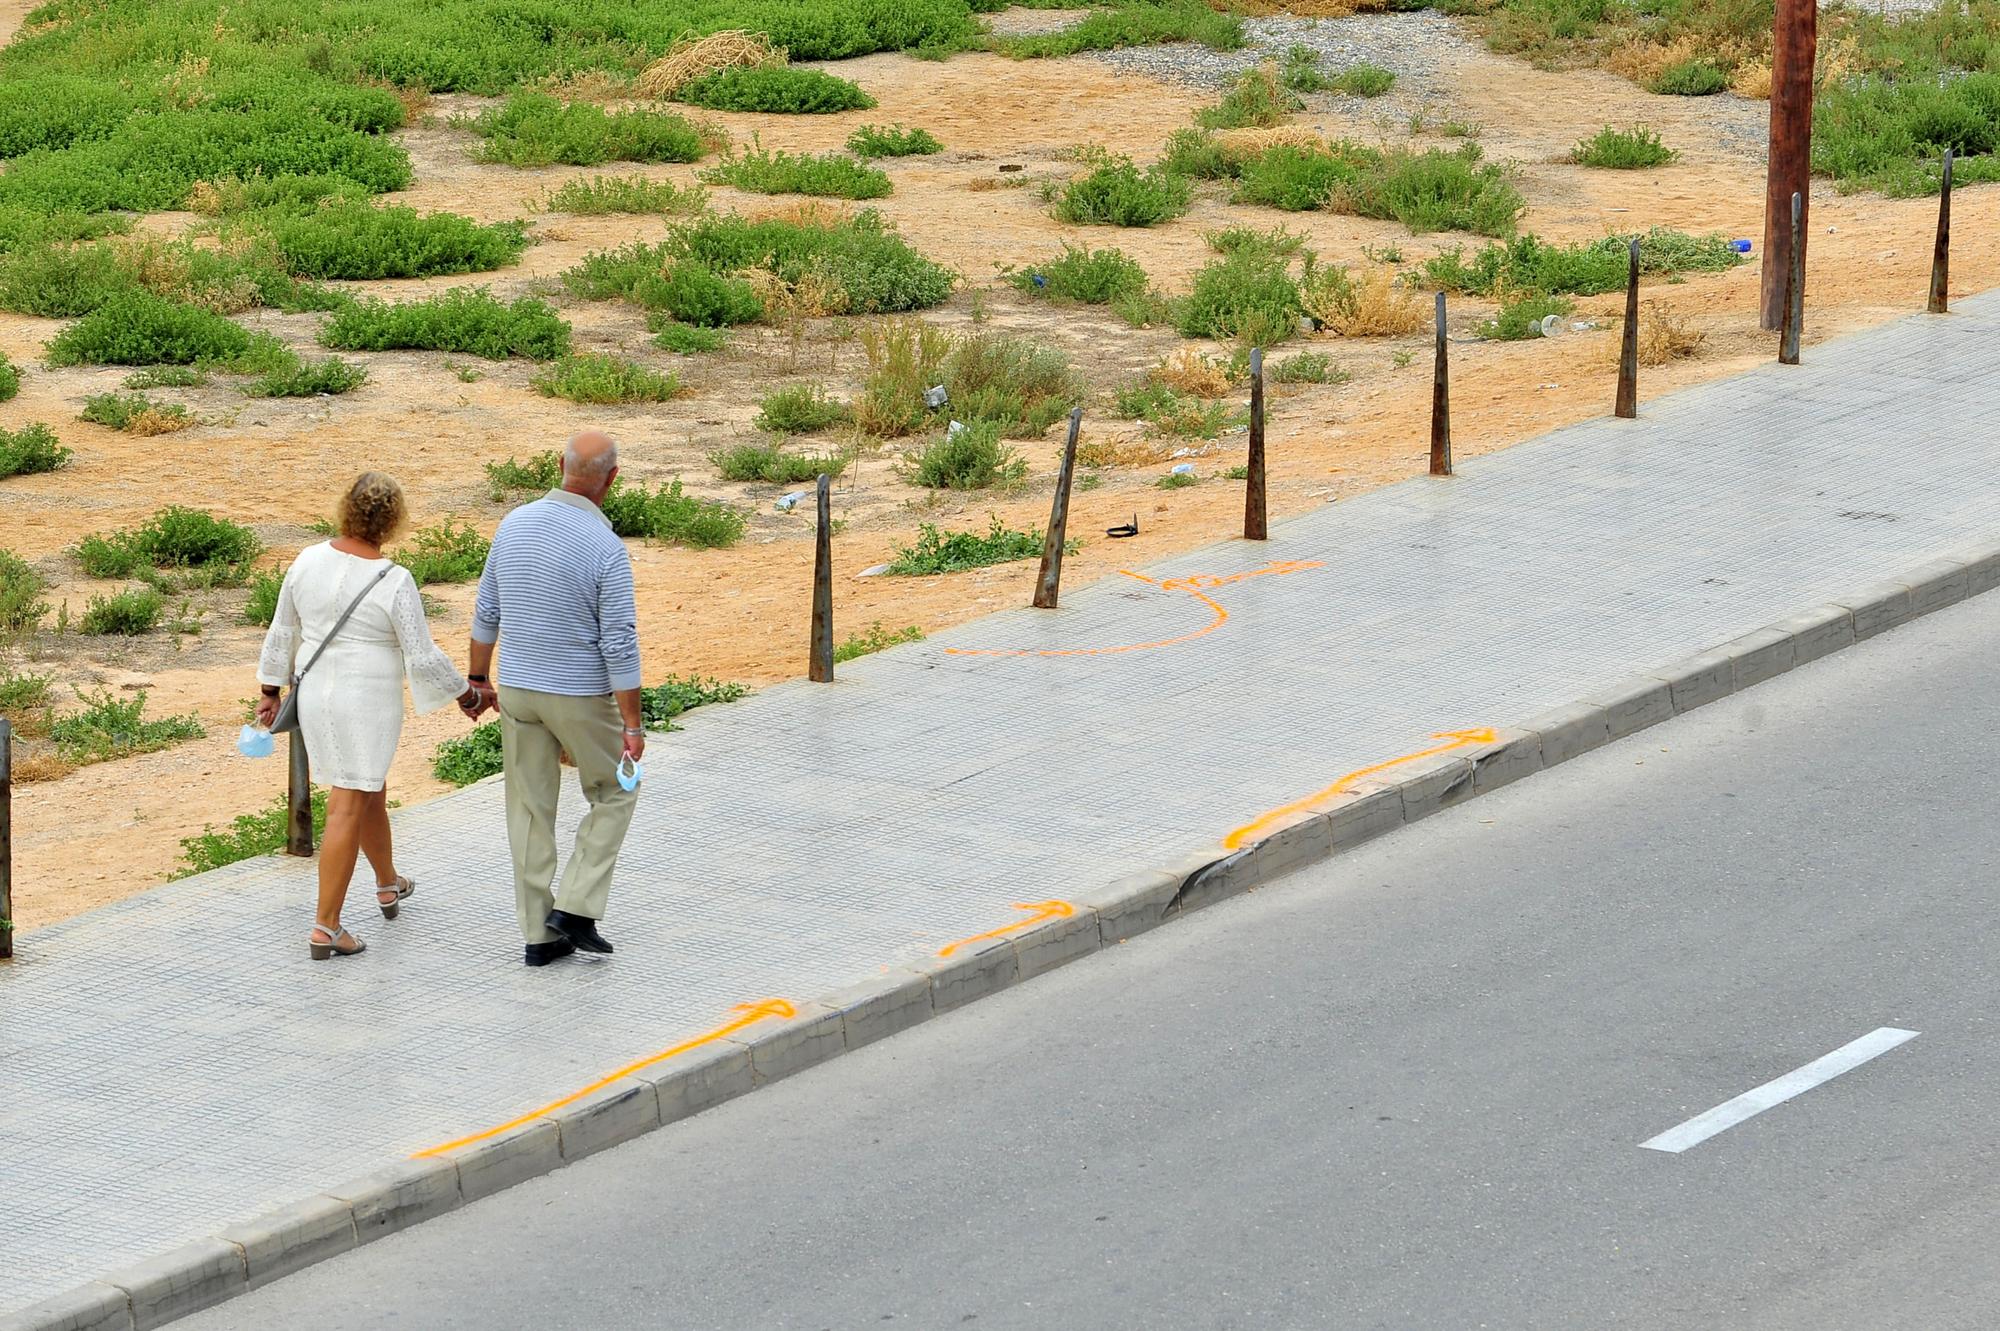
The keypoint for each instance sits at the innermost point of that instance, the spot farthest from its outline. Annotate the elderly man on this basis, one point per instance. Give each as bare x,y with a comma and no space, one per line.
558,585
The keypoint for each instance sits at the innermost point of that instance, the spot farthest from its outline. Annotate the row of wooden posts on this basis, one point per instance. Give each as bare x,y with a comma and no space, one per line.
1048,584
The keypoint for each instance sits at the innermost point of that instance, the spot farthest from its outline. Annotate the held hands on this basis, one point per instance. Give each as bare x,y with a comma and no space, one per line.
477,700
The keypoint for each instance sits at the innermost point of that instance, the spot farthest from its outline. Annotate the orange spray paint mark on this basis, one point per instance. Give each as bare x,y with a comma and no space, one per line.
1254,831
751,1013
1038,911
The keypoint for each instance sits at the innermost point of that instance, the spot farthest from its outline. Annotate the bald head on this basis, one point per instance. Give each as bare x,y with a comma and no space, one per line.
589,462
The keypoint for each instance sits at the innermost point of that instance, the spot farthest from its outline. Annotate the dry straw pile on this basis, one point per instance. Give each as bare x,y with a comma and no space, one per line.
698,57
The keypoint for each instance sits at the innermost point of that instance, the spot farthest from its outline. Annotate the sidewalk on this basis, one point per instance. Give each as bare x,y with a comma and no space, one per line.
174,1064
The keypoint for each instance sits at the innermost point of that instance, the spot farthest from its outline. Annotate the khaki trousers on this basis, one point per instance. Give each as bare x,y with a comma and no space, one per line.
535,730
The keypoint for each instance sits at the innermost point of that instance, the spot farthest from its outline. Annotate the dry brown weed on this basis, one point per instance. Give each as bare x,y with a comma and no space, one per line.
1121,451
1188,371
1663,337
1375,306
153,421
699,57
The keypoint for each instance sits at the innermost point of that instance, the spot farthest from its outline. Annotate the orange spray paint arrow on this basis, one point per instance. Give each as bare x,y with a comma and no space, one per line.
750,1014
1039,911
1456,739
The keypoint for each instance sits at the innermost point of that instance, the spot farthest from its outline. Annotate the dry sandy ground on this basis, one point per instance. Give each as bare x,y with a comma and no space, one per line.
109,831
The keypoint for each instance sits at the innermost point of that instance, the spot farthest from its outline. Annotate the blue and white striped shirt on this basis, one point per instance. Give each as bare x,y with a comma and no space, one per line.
560,581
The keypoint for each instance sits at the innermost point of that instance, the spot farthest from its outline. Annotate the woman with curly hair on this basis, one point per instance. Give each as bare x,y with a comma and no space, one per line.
350,703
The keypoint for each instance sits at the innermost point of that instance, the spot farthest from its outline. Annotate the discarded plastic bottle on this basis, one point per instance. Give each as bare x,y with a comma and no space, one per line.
1182,469
790,501
935,396
1740,246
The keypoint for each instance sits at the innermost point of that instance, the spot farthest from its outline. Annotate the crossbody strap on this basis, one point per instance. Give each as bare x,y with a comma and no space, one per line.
341,623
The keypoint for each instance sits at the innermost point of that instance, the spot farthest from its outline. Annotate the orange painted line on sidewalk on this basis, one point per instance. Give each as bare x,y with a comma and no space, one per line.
1041,910
752,1013
1254,831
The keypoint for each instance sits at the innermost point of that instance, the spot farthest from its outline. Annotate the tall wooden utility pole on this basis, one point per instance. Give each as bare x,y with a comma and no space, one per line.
1794,46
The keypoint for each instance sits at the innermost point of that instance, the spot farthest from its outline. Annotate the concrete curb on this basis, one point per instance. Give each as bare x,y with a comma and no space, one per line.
251,1254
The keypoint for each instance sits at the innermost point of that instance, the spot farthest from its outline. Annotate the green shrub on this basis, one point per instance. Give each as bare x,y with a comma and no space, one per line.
1117,193
905,358
1248,294
770,464
473,756
1301,72
687,339
800,409
332,376
968,458
892,141
935,551
534,129
262,607
127,614
21,588
139,328
1522,317
1016,383
1365,79
469,321
445,553
1195,155
1177,480
625,194
875,639
605,381
671,514
60,281
109,727
355,241
1622,149
696,294
678,695
831,175
871,269
168,376
1092,277
10,379
1308,367
1297,179
25,701
112,556
783,89
181,537
540,473
1692,78
1441,190
248,836
1254,101
30,450
1889,134
135,413
1529,263
1276,241
1133,25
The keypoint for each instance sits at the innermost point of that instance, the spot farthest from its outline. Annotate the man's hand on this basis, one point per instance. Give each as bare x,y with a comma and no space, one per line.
477,700
635,744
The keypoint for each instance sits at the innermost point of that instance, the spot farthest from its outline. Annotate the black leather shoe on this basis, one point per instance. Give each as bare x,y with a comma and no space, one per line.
580,931
541,954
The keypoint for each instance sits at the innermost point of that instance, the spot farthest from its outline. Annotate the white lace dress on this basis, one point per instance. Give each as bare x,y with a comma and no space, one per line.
351,704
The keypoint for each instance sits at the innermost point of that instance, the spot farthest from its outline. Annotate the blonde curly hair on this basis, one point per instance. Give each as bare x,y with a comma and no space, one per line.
373,509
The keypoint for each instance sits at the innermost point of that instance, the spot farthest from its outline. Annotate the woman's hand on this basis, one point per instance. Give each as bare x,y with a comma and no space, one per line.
267,710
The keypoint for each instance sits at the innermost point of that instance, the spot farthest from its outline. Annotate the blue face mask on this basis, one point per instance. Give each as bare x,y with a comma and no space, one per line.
630,772
255,743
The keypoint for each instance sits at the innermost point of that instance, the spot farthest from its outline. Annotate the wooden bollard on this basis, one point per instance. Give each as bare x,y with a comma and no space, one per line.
1048,586
1256,519
1795,288
1941,255
1441,403
298,796
1628,354
6,839
821,668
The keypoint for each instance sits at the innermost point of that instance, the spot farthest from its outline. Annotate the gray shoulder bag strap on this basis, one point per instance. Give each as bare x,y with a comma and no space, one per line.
288,710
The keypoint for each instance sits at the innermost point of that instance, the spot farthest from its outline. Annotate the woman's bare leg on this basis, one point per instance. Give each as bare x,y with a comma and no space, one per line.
339,847
376,842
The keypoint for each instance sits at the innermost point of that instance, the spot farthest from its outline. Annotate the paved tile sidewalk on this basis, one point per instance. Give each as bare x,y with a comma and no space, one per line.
174,1063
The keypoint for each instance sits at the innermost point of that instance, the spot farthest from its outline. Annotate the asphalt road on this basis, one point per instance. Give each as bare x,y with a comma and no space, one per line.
1406,1089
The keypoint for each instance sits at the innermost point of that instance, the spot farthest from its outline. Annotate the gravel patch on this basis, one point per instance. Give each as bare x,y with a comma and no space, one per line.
1415,46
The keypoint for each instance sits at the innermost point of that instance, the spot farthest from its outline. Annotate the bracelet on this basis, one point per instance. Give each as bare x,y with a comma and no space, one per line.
630,731
475,679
